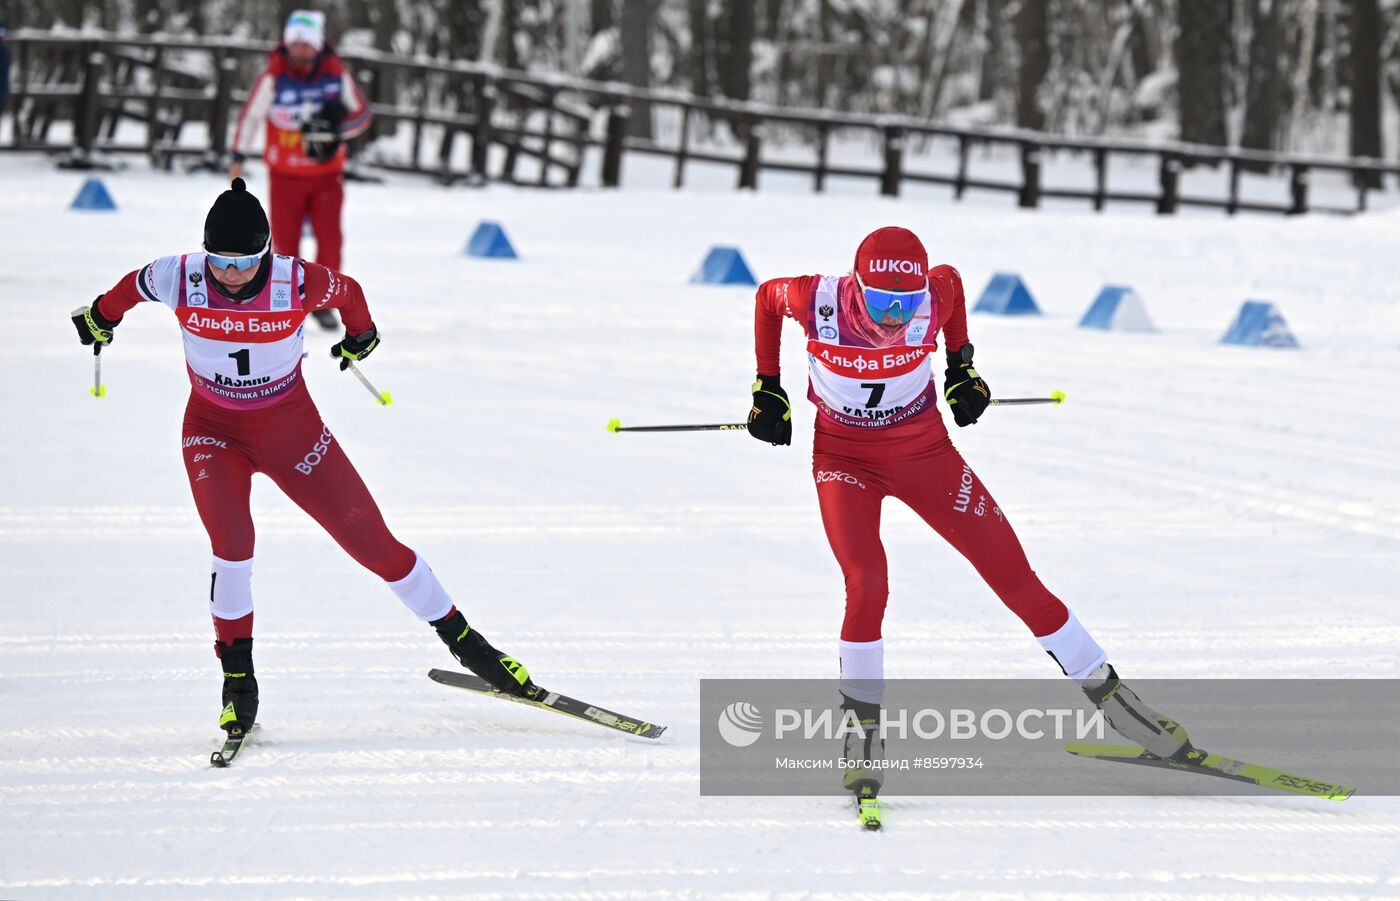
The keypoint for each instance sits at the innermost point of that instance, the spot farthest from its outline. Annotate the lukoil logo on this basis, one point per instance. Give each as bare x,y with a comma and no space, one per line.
906,266
740,724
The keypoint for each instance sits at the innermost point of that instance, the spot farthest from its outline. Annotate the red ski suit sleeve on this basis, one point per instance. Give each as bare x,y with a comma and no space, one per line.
322,289
792,297
327,289
776,298
123,296
947,287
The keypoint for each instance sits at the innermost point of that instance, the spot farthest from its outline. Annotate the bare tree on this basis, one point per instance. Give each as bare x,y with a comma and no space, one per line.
1262,107
1366,35
637,20
1033,46
735,48
701,46
993,61
1309,14
1202,54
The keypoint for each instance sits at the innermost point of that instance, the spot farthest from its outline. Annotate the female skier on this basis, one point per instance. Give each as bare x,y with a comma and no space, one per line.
871,337
241,309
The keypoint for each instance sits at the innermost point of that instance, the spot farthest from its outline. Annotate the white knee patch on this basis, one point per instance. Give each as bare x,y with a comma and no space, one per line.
863,670
231,588
1074,649
422,593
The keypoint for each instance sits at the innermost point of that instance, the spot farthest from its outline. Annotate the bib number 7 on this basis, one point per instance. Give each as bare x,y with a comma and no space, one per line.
877,391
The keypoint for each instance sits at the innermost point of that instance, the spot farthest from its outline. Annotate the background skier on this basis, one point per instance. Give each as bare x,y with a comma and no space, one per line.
311,106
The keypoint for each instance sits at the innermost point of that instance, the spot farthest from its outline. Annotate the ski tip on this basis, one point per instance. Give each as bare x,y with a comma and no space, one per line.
1057,396
614,425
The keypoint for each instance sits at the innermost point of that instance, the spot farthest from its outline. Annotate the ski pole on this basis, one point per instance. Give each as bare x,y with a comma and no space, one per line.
384,397
1056,398
97,389
615,425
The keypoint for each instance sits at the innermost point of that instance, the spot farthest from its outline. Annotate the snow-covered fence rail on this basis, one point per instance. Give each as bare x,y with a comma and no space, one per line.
96,81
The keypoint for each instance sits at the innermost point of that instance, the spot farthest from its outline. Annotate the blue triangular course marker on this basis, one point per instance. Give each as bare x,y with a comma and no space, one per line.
1259,324
93,195
490,241
1117,309
724,266
1007,295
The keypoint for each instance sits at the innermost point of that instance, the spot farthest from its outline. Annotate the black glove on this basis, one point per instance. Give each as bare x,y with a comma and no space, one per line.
92,326
355,347
967,395
771,417
320,133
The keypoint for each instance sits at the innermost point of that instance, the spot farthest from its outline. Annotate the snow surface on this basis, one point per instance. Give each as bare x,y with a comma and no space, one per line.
1207,511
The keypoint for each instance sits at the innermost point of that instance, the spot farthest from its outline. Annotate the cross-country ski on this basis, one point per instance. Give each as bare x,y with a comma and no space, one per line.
544,699
1204,763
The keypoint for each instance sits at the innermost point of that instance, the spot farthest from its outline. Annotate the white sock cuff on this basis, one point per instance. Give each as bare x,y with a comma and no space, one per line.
863,670
231,588
422,593
1074,649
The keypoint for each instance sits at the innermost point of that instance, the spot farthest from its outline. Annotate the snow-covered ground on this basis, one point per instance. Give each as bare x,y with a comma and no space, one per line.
1208,511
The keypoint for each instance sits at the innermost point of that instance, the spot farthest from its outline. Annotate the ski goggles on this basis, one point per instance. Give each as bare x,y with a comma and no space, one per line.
242,262
883,304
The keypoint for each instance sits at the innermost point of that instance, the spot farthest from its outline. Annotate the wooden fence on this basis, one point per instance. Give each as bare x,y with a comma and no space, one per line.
97,82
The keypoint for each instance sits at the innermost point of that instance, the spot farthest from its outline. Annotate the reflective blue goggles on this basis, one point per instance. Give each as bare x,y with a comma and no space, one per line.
892,307
242,263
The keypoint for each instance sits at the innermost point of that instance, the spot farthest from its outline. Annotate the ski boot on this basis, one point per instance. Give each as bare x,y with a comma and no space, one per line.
1160,735
506,674
861,780
240,686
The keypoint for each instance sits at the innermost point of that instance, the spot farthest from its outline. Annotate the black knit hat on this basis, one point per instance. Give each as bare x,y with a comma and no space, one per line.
236,222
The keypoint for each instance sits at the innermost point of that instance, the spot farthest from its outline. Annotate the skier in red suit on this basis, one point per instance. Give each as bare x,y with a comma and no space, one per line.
307,105
241,310
871,338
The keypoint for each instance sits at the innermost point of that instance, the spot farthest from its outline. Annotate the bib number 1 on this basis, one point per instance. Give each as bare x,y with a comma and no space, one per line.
241,358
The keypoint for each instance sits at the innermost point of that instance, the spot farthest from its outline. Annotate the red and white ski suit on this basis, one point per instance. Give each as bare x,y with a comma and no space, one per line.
249,411
879,434
299,187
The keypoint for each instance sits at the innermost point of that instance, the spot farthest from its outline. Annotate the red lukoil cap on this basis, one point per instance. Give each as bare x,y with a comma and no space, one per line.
892,259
